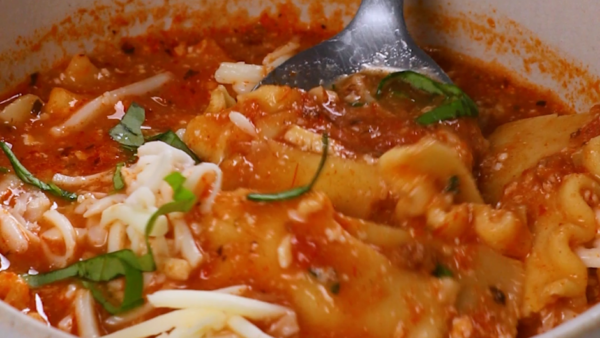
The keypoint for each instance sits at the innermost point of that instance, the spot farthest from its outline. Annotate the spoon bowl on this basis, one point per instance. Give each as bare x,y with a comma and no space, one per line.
376,38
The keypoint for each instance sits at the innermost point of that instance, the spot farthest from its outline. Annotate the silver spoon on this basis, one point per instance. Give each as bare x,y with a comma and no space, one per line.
376,38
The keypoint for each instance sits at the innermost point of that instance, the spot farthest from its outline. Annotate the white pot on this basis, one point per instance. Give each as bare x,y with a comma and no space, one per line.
558,39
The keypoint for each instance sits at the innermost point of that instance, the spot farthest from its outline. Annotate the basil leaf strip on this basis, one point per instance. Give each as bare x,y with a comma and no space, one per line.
129,133
129,130
28,177
183,201
170,138
441,271
295,192
118,182
457,103
453,184
122,263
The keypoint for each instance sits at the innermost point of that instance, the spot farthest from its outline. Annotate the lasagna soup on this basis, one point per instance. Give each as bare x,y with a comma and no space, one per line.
148,190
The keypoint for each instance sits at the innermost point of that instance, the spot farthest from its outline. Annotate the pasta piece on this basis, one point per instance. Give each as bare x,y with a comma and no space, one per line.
308,141
62,103
449,224
502,230
354,186
272,99
519,145
373,233
591,156
553,270
219,100
81,71
19,111
401,164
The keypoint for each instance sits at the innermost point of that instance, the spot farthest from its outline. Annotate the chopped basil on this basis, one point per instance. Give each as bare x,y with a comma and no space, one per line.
129,133
170,138
183,201
28,177
122,263
453,184
335,288
456,104
441,271
295,192
129,130
4,170
498,296
118,182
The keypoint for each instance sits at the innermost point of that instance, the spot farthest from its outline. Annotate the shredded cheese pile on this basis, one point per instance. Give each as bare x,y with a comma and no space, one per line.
200,314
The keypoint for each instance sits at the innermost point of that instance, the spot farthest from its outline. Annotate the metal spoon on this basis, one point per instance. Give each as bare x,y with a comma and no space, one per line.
376,38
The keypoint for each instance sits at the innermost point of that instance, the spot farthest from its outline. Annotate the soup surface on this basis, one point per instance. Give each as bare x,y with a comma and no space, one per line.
158,185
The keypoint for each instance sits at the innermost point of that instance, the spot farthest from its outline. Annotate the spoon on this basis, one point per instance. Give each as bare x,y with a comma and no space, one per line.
376,38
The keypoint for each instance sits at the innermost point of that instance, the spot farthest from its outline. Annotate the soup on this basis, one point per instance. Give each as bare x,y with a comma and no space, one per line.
148,191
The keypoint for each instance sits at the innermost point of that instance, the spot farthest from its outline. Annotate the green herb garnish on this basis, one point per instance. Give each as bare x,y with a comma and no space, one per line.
4,170
295,192
453,184
170,138
129,133
442,271
28,177
183,201
122,263
129,130
456,103
335,288
118,182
